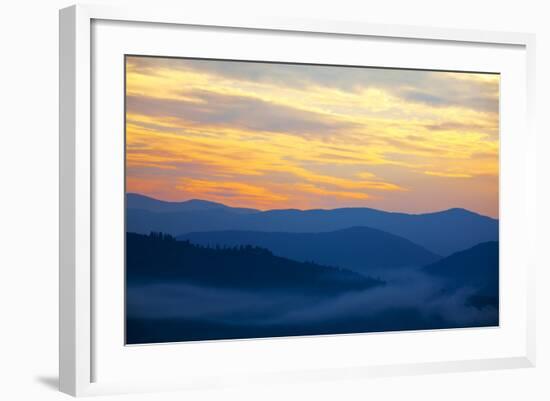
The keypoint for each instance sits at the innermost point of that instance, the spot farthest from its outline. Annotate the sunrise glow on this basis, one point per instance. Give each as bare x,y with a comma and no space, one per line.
279,136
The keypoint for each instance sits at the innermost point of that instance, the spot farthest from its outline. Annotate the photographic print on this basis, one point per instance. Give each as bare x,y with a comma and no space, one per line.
276,199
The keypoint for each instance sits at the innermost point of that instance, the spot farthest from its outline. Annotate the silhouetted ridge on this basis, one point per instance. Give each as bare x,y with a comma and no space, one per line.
442,233
160,258
142,202
477,268
356,248
473,265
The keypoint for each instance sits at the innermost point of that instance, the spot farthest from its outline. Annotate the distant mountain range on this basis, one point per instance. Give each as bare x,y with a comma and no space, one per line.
137,201
356,248
441,233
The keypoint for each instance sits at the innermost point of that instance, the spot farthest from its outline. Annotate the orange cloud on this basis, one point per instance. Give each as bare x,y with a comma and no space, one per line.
447,174
234,192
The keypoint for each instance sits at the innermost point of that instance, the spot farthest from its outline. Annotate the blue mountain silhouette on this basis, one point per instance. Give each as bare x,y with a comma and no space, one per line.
159,258
476,268
356,248
442,233
138,201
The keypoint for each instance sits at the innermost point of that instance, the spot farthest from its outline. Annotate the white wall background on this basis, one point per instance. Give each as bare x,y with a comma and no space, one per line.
29,211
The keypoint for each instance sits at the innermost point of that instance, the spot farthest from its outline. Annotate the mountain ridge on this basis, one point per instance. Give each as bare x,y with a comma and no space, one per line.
144,202
160,258
477,268
356,248
224,206
442,232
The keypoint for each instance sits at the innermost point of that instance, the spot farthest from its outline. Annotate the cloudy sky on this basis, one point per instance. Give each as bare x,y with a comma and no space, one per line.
278,136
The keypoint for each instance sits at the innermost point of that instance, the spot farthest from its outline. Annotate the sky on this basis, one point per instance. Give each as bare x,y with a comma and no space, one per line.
280,136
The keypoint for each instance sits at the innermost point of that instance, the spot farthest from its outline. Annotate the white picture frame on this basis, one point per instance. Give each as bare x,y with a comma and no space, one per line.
78,156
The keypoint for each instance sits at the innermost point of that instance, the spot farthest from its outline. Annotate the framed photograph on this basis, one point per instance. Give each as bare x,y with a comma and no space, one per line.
272,200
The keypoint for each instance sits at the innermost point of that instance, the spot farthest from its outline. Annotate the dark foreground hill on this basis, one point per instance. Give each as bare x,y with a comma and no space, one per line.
160,258
356,248
476,268
178,291
442,233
